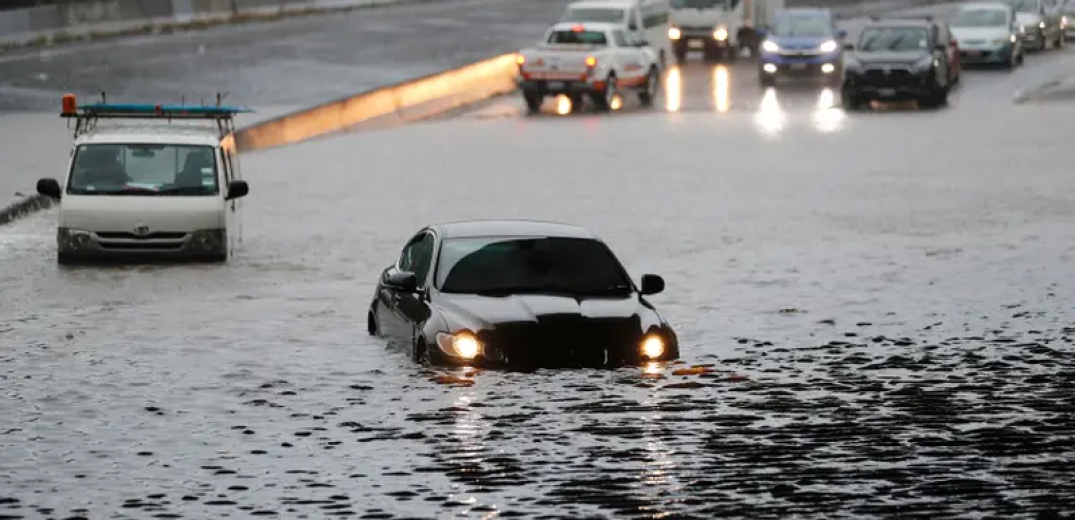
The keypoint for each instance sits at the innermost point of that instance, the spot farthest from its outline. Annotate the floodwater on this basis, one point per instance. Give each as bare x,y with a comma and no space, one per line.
882,301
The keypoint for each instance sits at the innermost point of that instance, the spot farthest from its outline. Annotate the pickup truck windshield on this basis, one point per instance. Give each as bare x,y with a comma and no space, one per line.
143,169
577,38
593,14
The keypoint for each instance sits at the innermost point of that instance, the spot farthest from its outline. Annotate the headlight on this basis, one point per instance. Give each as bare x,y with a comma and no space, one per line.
1022,29
1063,21
720,34
828,46
1041,25
462,344
674,33
652,346
769,46
924,64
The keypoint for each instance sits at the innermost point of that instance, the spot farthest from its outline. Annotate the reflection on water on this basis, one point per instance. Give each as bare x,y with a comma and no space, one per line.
674,89
721,88
563,105
827,117
770,117
659,475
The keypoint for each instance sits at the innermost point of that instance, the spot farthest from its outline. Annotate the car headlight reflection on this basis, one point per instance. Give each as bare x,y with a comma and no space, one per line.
652,346
770,46
462,344
828,46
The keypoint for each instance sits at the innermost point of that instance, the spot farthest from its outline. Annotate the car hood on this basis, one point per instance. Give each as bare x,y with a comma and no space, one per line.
484,313
980,33
902,58
800,42
1027,18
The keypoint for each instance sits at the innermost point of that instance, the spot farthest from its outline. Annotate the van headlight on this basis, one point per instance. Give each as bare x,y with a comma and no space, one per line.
68,239
211,240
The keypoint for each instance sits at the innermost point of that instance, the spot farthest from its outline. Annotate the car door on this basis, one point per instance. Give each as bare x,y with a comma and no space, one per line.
628,58
942,54
413,308
389,315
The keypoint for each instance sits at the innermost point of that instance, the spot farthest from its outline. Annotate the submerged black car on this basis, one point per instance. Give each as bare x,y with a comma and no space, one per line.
898,59
518,294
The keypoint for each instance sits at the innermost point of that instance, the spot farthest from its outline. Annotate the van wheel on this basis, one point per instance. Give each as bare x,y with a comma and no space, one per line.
653,84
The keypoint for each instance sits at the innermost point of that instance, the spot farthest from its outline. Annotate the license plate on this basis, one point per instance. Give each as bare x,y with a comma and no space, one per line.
556,85
798,66
695,44
974,53
887,92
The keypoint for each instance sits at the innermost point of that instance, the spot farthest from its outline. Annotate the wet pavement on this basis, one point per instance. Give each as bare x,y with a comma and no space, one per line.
884,298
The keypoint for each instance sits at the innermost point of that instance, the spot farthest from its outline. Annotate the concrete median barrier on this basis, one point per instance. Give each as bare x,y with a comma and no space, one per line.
414,99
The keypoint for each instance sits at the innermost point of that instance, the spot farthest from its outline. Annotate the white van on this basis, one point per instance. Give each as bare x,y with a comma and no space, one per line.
157,188
646,19
721,29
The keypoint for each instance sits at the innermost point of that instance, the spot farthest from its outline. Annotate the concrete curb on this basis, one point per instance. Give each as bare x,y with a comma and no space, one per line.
16,26
24,207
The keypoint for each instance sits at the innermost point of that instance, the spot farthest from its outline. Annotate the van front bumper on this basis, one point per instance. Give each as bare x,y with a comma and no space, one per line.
208,244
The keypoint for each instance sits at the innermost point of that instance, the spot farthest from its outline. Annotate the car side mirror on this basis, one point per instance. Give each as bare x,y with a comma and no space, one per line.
651,284
849,46
237,189
402,281
841,33
49,187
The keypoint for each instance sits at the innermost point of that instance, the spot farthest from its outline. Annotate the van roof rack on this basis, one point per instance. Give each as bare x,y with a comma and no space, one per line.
87,115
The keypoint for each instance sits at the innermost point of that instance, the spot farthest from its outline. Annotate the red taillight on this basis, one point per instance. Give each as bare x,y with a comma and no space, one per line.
591,62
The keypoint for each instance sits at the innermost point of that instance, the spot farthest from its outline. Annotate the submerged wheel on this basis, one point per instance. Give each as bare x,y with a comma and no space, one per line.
604,99
653,83
533,102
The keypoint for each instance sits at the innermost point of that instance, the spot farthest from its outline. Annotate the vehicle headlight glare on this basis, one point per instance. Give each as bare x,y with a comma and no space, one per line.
770,46
1041,25
828,46
463,344
720,34
1011,38
674,33
652,346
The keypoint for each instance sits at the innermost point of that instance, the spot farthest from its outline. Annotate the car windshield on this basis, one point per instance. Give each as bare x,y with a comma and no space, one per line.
802,26
143,169
578,38
1024,6
594,14
514,265
698,4
979,18
893,39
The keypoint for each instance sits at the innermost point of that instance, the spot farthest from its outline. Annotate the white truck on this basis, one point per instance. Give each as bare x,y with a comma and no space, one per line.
721,29
600,60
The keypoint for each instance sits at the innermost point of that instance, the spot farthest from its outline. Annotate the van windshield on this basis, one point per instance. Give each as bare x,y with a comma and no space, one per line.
594,14
701,4
143,169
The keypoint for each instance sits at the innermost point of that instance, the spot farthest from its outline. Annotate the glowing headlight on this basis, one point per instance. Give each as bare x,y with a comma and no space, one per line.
463,344
770,46
674,33
1041,25
652,346
828,46
1063,21
720,34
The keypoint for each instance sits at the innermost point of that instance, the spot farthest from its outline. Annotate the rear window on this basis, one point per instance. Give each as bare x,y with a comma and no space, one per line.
578,38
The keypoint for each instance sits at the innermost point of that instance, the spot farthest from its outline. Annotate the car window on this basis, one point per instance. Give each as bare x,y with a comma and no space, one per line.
893,39
980,17
1024,6
529,264
423,259
578,38
802,25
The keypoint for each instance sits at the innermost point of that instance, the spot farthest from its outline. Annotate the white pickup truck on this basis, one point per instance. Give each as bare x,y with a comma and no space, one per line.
596,59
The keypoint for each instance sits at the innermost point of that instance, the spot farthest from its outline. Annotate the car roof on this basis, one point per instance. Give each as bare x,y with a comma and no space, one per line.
900,22
178,134
510,227
985,5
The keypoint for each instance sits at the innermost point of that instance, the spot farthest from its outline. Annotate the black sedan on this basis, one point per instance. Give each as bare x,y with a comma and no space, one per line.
517,294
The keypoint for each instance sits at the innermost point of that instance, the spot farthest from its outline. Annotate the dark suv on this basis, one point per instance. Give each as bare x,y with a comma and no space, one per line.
898,59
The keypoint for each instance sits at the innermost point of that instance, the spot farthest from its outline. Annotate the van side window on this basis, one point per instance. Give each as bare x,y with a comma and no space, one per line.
653,16
620,38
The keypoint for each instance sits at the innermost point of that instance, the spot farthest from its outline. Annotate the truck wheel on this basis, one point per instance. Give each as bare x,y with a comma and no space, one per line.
653,84
533,101
603,100
681,53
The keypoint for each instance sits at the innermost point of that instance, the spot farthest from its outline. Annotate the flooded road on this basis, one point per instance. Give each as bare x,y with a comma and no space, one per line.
885,304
